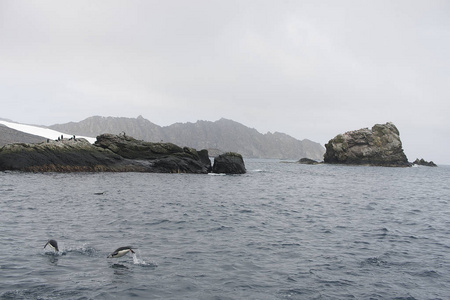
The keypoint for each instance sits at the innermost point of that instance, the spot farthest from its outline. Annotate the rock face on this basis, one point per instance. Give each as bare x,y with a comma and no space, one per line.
113,153
64,156
229,163
164,157
380,146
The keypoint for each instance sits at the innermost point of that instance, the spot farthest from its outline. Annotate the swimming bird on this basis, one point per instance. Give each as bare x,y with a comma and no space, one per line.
52,244
119,252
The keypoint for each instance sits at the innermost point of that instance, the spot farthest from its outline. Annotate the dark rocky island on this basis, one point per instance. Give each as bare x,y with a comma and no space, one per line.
110,153
422,162
379,146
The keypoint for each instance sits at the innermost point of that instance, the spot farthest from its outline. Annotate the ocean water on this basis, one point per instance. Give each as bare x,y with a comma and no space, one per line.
281,231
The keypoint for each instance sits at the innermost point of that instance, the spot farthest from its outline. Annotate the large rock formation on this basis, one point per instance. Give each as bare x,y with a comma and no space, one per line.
379,146
229,163
114,153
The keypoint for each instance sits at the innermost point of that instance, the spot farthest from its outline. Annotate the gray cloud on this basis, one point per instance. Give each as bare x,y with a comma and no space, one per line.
311,69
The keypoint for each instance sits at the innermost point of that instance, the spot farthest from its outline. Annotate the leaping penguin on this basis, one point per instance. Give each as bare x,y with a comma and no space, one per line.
52,244
119,252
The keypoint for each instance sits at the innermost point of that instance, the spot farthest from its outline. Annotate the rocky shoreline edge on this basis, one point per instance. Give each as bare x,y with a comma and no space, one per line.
114,153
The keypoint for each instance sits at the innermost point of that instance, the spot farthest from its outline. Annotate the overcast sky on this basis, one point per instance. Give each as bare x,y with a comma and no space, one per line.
311,69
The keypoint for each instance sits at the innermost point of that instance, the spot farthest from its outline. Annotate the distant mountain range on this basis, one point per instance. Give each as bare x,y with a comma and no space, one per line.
219,136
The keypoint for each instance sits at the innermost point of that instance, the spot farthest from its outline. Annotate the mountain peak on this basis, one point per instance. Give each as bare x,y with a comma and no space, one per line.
223,134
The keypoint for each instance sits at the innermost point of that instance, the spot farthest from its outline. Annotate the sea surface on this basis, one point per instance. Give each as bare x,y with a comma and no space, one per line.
281,231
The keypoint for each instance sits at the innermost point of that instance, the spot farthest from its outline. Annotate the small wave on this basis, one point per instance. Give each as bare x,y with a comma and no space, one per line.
374,261
297,292
430,273
157,222
335,283
38,292
285,245
83,250
220,228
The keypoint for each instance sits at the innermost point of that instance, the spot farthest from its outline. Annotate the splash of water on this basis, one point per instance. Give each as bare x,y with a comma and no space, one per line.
139,261
136,260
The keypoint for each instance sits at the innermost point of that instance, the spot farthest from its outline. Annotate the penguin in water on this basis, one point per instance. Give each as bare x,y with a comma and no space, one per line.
52,244
119,252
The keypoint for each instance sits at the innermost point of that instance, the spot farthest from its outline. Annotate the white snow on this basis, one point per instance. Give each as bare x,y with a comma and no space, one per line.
41,131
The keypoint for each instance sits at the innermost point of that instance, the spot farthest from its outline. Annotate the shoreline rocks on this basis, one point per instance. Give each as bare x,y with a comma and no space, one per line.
379,146
110,153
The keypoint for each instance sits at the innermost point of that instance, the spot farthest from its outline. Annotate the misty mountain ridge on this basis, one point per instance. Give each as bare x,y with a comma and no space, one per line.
220,136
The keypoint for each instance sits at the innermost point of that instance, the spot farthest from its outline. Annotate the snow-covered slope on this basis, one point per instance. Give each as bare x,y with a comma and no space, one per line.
41,131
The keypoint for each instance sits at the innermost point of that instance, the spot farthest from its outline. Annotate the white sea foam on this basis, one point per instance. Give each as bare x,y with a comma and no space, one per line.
41,131
217,174
139,261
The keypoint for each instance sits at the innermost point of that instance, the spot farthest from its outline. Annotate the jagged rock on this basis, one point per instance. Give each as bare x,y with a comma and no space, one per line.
115,153
308,161
423,162
380,146
229,163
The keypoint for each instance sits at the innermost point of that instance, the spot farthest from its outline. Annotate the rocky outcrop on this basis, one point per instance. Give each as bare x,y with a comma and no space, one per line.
113,153
229,163
58,156
308,161
422,162
379,146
